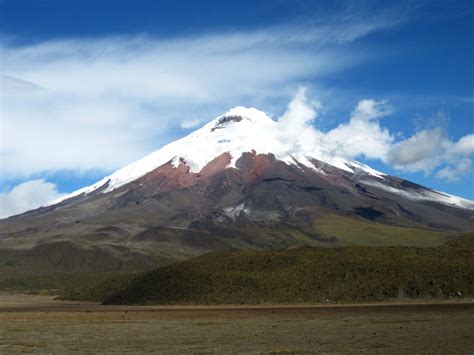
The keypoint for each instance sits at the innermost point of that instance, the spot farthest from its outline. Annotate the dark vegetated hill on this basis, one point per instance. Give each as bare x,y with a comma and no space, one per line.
352,274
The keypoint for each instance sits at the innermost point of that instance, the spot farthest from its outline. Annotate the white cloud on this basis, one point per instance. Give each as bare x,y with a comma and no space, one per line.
419,152
26,196
455,172
368,110
299,113
294,132
99,103
294,126
362,135
465,145
14,86
186,124
429,150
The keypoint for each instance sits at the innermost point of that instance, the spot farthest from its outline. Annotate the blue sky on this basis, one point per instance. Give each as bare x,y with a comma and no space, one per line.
88,86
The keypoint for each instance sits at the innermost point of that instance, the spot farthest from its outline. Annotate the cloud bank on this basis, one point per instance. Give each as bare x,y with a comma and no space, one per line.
363,135
99,103
27,196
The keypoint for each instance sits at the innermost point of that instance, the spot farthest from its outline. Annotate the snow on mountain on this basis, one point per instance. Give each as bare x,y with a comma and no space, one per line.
238,131
425,195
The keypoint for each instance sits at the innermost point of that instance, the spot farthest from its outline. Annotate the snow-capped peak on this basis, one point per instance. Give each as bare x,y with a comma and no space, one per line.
251,114
238,131
221,135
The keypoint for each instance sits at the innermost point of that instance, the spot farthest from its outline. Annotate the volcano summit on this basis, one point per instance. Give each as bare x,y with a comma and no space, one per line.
234,183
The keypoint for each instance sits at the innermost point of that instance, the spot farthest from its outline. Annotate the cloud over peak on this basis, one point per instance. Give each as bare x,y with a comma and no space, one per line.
363,135
139,89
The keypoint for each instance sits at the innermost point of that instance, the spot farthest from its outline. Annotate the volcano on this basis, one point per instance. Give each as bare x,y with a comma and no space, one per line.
232,184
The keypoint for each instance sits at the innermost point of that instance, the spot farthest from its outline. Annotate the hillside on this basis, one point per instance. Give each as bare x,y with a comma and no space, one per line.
351,274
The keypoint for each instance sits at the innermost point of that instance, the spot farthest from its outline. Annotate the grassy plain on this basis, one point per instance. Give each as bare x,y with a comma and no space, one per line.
90,328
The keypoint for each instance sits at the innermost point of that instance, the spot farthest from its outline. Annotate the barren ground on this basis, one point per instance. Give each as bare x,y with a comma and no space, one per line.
40,324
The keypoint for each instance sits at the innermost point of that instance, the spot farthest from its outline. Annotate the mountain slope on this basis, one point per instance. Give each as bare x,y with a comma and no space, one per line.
298,275
234,183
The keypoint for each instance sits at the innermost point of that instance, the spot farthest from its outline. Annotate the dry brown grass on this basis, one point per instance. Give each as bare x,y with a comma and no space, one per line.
376,329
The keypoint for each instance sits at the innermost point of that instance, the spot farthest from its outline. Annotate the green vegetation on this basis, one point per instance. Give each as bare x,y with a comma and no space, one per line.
101,290
306,274
60,281
359,231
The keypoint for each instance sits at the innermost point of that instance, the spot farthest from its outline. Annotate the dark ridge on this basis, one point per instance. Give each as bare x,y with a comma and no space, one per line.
277,179
228,119
111,229
306,274
309,188
360,188
412,185
292,186
224,120
324,239
411,215
368,213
